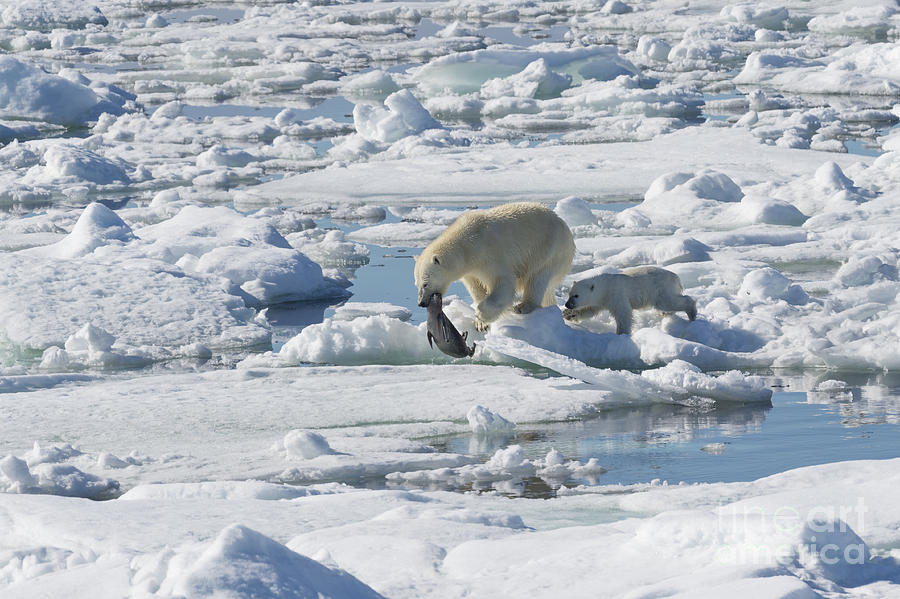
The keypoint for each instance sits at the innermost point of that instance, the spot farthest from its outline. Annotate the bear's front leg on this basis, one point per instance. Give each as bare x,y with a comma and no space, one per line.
579,314
498,301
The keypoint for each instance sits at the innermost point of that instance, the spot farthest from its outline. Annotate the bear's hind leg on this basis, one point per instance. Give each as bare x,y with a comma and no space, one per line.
534,294
497,302
680,303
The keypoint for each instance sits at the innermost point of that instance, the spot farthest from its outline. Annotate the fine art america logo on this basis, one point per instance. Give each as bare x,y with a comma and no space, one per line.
819,537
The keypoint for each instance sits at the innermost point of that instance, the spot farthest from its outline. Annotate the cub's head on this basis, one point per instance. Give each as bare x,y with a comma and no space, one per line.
581,294
433,275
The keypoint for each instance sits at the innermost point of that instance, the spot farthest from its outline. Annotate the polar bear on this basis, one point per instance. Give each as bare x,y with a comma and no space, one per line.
515,248
620,293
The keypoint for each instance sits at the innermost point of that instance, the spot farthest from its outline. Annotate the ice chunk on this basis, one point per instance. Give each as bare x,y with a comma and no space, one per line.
69,481
43,454
270,275
466,72
484,422
653,48
164,197
729,386
512,460
710,185
757,209
91,339
457,29
536,80
198,229
30,93
575,212
871,21
17,474
305,445
54,358
831,178
169,110
109,461
97,226
765,284
615,7
66,162
46,15
371,340
865,270
714,448
218,156
375,83
770,17
401,115
673,250
156,21
330,249
241,562
352,310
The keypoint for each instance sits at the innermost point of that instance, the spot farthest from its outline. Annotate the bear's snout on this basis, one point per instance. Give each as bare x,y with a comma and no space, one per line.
425,299
570,304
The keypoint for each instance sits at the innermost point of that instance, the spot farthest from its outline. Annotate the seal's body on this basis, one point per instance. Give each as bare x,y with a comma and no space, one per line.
443,333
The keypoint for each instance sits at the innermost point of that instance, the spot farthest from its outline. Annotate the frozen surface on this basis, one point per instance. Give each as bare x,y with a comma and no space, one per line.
191,192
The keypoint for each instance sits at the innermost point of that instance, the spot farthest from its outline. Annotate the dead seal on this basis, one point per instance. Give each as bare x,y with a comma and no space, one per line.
442,331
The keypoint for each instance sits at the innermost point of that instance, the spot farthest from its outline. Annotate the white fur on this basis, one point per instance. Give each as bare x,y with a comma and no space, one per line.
620,293
519,248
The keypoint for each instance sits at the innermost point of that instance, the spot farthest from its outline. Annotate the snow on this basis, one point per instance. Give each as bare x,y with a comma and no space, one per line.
215,381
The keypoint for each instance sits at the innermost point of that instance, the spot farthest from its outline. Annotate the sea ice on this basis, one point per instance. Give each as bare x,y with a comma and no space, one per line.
27,92
163,162
401,116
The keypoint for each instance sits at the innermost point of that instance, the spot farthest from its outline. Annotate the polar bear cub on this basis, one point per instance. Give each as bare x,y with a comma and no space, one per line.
620,293
519,248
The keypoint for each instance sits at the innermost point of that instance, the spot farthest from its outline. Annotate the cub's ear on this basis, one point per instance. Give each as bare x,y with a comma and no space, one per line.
435,260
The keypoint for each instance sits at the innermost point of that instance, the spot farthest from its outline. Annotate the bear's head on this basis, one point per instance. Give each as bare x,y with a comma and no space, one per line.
580,294
433,274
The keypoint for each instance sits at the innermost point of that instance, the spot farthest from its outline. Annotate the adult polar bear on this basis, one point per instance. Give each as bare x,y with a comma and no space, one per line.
515,248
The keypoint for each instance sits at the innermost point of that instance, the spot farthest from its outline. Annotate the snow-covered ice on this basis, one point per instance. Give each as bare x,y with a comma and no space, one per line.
214,377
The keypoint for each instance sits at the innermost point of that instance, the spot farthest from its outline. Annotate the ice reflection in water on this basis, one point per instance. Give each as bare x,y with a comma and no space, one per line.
672,443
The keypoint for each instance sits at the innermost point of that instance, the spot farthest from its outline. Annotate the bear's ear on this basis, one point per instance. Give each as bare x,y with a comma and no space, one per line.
436,261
